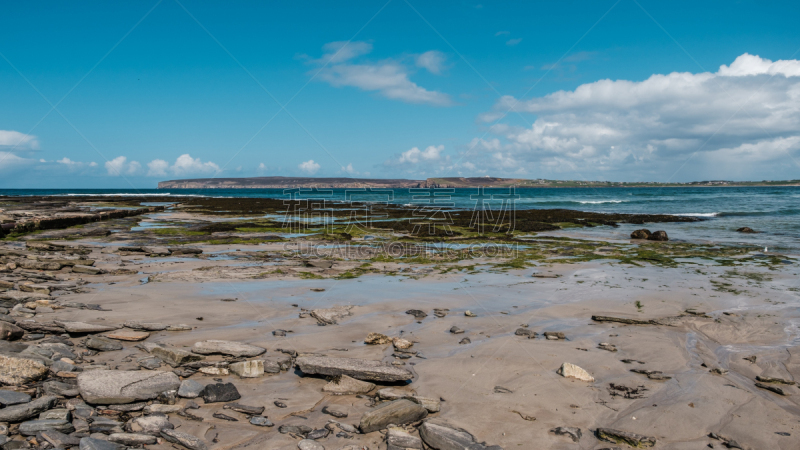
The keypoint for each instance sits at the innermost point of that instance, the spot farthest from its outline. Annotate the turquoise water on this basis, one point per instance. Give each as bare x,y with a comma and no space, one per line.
773,210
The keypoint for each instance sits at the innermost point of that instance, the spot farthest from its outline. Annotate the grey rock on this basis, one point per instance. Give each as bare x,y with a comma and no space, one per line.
331,316
261,421
465,341
108,387
335,411
455,330
61,389
63,366
530,334
31,427
554,335
308,444
128,407
103,344
59,439
132,439
149,363
440,435
397,412
220,392
8,398
17,369
10,332
89,443
344,385
105,425
320,433
625,437
400,439
245,409
151,425
175,356
190,389
212,347
360,369
57,414
295,429
20,412
85,328
573,433
184,439
145,326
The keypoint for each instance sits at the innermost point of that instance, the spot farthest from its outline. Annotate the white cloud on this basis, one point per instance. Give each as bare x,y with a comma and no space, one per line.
432,61
120,166
388,78
349,169
431,160
73,165
11,163
14,140
502,33
184,165
309,167
157,168
415,155
653,125
513,42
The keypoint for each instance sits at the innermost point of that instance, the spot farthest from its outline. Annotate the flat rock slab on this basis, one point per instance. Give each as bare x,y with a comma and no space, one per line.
190,389
103,344
360,369
82,327
174,356
440,435
146,326
32,427
132,439
331,316
8,398
124,335
88,443
344,385
18,413
184,439
398,412
212,347
112,387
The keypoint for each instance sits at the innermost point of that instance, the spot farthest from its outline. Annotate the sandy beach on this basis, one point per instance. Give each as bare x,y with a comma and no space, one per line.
708,360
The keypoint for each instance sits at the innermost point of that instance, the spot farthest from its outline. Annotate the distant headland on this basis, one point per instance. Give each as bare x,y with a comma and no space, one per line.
447,182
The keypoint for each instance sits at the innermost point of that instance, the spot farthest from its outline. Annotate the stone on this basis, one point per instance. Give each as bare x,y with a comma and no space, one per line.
245,409
432,405
764,379
248,369
401,344
308,444
128,407
331,316
16,369
573,433
464,341
377,339
23,411
108,387
150,362
190,389
124,335
606,346
400,439
360,369
102,344
418,314
397,412
158,408
61,389
469,313
184,439
58,414
261,421
145,326
89,443
554,335
175,356
660,235
530,334
623,320
335,411
568,370
220,392
231,348
31,427
440,435
455,330
746,230
10,332
104,425
85,328
772,388
185,250
59,439
344,385
151,425
8,398
89,270
624,437
132,439
211,370
641,234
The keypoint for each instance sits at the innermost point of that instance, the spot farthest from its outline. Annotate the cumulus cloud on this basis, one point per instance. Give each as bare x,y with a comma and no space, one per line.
389,78
73,165
14,140
420,162
432,61
349,169
120,166
184,165
309,167
740,111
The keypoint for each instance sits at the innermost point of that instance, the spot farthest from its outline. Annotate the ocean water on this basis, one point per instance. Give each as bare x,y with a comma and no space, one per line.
774,211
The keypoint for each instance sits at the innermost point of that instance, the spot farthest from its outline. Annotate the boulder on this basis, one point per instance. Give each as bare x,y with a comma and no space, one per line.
220,392
10,332
23,411
17,369
184,439
344,385
103,344
248,369
109,387
217,347
641,234
397,412
568,370
331,316
625,437
440,435
174,356
360,369
658,236
85,328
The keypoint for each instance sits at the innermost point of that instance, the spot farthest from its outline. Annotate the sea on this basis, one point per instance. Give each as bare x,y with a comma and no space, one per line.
772,211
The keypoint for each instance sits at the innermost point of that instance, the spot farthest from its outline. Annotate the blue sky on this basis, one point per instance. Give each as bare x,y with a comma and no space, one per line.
600,90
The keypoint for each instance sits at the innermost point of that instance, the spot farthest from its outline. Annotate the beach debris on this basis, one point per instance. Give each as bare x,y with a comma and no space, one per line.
606,346
109,387
279,333
361,369
397,412
345,385
772,388
502,390
318,263
751,358
573,433
331,316
554,335
623,320
438,434
625,437
377,339
656,375
231,348
524,416
632,393
546,275
530,334
641,234
418,314
729,443
718,371
569,370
